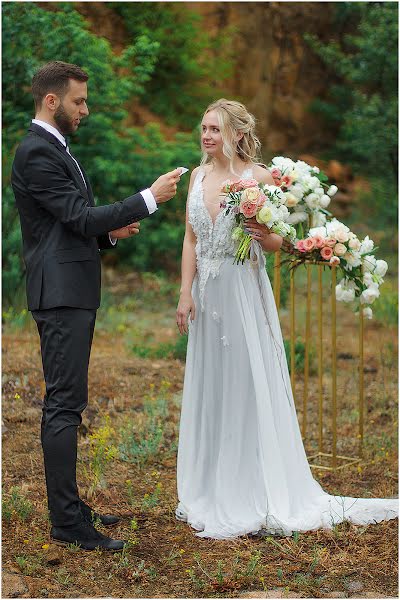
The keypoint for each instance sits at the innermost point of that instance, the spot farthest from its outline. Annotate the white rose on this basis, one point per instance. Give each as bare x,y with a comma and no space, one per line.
369,295
297,190
367,312
319,191
367,279
354,243
353,259
369,263
340,249
319,219
321,231
315,169
344,295
314,183
366,245
334,260
297,217
324,201
312,200
381,268
341,234
332,190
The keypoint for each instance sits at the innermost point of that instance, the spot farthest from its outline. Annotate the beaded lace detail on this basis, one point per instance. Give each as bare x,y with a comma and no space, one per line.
214,240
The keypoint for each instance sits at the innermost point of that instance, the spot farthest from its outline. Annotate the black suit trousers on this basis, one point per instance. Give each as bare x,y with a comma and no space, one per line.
65,337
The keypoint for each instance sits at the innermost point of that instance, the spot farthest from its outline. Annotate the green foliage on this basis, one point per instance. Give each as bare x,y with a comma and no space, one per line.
142,437
175,349
363,98
14,504
183,82
119,159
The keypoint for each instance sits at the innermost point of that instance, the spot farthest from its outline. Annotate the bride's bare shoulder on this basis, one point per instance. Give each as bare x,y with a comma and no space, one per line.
262,174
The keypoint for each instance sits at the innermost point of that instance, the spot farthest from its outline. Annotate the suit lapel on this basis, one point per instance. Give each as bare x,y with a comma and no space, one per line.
86,191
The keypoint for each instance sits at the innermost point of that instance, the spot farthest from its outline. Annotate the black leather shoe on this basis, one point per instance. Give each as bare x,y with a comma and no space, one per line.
86,536
91,516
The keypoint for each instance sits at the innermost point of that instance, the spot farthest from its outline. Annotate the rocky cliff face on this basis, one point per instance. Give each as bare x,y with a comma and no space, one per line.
276,74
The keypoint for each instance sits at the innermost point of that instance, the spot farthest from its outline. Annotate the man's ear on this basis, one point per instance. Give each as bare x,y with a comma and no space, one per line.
51,102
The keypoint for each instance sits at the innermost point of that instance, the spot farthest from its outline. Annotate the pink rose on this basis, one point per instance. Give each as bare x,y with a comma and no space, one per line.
248,183
309,244
330,242
276,173
319,241
326,252
335,260
248,209
300,246
236,186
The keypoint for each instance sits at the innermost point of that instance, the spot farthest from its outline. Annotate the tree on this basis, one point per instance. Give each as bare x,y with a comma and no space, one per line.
364,102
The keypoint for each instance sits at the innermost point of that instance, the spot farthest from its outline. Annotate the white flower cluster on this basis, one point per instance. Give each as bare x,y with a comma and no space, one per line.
304,191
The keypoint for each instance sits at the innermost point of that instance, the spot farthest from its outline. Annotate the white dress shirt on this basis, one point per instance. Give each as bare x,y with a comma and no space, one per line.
146,194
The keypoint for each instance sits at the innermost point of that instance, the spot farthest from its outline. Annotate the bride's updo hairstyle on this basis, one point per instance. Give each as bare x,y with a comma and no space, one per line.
234,119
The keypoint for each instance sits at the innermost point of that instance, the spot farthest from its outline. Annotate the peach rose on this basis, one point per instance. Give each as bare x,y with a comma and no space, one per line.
335,260
319,241
330,242
300,246
326,252
340,249
286,181
251,194
248,209
309,244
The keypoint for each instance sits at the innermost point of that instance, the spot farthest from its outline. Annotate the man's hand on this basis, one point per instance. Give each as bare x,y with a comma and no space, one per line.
125,232
164,188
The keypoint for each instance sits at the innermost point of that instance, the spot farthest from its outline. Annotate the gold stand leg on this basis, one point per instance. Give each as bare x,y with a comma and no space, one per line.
334,403
320,411
361,383
306,351
292,331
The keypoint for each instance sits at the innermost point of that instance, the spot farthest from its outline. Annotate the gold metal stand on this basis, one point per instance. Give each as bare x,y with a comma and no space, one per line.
337,461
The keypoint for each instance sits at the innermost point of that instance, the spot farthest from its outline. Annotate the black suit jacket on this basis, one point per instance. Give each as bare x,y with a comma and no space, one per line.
62,229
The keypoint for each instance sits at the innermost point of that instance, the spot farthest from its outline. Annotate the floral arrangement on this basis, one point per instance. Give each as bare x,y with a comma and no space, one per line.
303,189
248,199
335,244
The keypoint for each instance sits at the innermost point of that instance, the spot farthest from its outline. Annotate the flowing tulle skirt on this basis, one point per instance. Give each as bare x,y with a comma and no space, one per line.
241,460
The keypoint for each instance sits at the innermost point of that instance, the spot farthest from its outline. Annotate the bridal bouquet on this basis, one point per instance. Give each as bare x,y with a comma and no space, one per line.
248,199
303,189
337,245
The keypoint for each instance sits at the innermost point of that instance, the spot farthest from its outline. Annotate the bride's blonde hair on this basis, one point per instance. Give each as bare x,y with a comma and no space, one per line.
233,118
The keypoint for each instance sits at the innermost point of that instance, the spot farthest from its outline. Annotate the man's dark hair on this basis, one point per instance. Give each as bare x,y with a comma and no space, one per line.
54,77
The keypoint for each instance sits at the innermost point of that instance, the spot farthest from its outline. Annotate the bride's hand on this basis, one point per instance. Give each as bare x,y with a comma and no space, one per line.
185,307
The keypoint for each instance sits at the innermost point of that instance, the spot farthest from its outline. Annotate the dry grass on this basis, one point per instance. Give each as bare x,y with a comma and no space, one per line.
165,558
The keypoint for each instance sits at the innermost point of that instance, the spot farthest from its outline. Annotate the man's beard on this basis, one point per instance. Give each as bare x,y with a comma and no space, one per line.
63,121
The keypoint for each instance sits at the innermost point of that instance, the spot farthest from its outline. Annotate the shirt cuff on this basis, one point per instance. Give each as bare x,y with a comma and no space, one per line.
113,241
149,200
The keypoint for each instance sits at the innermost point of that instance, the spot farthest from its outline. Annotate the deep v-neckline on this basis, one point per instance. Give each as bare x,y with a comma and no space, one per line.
202,175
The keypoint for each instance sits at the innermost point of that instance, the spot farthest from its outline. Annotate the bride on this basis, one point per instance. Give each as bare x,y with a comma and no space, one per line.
242,467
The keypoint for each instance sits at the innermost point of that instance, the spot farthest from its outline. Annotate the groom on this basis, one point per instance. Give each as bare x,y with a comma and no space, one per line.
62,232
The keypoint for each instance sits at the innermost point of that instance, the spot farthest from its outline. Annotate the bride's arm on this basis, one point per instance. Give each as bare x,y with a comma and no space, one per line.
186,304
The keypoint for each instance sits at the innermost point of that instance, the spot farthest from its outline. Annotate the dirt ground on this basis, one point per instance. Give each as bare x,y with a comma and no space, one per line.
165,558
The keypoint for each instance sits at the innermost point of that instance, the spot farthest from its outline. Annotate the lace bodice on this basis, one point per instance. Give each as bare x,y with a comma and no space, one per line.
214,240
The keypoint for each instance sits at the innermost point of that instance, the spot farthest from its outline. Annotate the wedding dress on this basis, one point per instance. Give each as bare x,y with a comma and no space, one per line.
241,461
